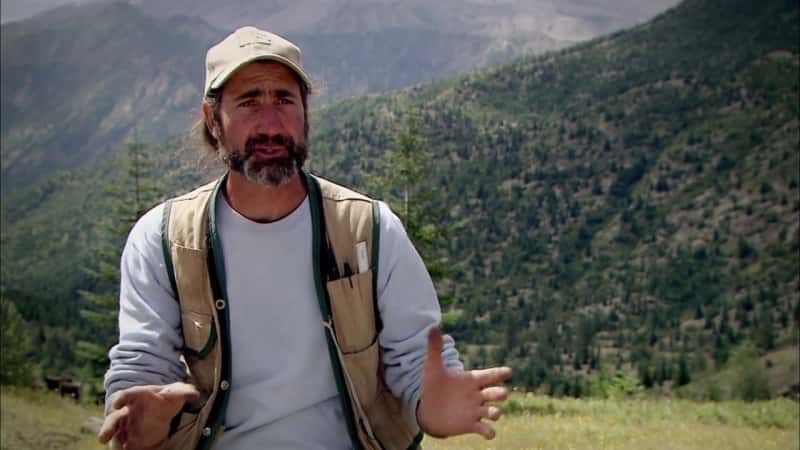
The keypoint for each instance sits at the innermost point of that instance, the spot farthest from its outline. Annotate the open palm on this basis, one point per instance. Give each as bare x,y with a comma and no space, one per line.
140,416
455,402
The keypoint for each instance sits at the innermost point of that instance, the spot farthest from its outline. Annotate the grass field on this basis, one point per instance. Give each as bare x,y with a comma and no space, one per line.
38,420
537,422
33,420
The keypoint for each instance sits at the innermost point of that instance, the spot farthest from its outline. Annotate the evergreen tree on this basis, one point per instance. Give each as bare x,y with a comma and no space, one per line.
577,387
751,382
404,168
683,377
765,331
698,312
665,371
135,193
15,362
645,375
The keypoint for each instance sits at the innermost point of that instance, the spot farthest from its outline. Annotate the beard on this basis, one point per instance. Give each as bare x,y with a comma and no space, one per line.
275,171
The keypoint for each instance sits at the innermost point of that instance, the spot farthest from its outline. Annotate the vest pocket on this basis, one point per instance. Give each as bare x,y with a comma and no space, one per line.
188,431
199,333
185,420
391,421
200,340
362,369
353,310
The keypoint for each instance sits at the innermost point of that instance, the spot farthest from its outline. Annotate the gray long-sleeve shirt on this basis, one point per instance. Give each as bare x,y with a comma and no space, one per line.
283,392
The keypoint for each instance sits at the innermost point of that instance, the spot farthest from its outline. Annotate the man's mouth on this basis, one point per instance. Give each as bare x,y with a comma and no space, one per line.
270,151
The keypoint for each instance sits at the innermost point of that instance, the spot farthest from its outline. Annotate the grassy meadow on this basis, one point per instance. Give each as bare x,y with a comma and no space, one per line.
38,420
33,420
538,422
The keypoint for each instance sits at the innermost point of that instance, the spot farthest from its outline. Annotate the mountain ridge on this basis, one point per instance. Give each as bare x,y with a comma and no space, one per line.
61,112
630,202
142,71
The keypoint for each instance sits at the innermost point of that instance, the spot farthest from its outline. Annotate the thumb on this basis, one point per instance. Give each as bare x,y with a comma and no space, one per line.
181,391
435,345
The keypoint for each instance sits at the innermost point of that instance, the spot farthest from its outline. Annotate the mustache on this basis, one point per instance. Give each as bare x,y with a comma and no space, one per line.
263,139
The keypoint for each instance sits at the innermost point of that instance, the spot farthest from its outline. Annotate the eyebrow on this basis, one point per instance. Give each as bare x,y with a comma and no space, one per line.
258,92
252,93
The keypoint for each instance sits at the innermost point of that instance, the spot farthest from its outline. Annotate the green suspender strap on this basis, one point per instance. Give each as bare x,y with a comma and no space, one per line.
346,225
346,249
376,252
165,246
221,304
323,264
194,264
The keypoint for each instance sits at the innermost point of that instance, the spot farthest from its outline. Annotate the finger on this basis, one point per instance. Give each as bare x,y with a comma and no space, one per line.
484,430
493,376
490,412
113,423
435,345
113,401
494,394
181,391
125,396
116,444
122,439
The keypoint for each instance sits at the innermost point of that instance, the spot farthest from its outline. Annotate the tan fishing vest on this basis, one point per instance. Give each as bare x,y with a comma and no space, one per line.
345,224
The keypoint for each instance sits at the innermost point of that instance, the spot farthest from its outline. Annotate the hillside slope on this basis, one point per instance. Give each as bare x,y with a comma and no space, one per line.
79,81
630,202
563,20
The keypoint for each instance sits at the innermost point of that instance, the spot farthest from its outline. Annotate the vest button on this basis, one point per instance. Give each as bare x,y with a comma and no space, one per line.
224,385
206,431
220,304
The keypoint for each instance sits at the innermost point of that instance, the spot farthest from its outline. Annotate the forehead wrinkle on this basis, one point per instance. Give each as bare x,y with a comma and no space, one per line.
261,87
251,93
256,92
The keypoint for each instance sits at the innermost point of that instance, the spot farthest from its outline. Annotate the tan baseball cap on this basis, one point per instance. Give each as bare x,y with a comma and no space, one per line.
245,45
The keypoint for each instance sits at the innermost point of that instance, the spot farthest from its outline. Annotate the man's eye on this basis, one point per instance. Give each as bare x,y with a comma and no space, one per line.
247,103
284,101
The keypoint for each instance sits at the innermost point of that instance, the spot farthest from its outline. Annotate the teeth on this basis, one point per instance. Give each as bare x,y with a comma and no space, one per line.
269,150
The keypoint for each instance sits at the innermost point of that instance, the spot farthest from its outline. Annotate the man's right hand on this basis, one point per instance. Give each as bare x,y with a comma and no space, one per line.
140,416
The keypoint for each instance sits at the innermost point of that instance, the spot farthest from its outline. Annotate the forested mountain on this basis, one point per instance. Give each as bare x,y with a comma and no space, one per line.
633,200
629,202
81,79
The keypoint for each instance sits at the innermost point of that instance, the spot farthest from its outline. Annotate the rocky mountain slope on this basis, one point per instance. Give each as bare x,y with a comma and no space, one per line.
631,202
81,79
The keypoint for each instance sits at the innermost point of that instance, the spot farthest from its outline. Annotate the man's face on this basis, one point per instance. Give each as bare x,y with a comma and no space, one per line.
261,123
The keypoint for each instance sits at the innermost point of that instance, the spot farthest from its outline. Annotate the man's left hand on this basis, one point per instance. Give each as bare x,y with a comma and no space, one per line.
455,402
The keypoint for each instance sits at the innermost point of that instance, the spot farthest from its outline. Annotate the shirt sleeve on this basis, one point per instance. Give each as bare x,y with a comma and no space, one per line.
150,338
409,308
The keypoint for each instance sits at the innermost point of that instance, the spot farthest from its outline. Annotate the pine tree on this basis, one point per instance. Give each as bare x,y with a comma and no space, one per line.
645,375
131,198
765,331
404,168
683,376
15,358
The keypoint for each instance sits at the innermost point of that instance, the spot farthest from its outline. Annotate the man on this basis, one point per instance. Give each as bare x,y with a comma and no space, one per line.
240,307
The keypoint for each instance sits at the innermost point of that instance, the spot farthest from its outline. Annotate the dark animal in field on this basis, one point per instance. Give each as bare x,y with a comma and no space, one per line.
65,386
72,389
54,383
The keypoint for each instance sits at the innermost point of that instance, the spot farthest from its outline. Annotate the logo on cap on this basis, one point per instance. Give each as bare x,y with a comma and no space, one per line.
255,37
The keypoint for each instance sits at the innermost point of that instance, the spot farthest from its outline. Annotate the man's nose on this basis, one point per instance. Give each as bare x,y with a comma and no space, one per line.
270,121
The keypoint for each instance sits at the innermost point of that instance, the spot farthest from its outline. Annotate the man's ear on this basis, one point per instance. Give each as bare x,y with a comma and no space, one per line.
211,122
